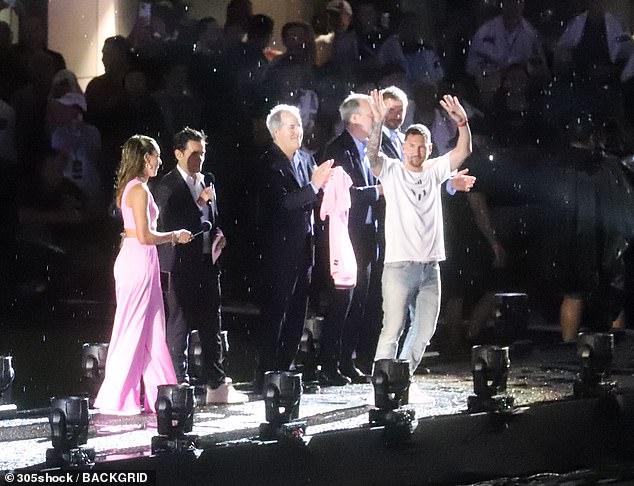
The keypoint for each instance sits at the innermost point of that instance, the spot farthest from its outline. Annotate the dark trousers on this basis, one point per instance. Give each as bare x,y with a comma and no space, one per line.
373,316
345,321
193,302
283,307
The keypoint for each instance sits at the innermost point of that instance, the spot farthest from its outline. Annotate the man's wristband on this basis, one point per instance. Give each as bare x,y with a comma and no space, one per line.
462,124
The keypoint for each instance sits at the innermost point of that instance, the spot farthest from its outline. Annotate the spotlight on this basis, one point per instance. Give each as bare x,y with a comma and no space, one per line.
391,381
307,358
8,409
511,316
282,396
490,367
595,350
195,367
195,358
69,432
195,363
93,365
174,418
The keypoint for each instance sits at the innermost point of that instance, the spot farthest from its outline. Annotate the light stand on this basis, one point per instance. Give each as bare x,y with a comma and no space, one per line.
69,420
8,409
174,418
391,381
93,365
195,367
282,396
490,367
511,316
595,351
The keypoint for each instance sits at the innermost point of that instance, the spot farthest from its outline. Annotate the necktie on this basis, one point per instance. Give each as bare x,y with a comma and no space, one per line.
367,173
396,141
301,177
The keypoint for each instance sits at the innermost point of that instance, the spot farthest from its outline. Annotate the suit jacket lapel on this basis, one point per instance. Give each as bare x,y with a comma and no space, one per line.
388,147
284,166
354,158
181,186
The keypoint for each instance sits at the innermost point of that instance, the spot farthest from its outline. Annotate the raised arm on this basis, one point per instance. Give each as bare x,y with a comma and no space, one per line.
458,114
374,143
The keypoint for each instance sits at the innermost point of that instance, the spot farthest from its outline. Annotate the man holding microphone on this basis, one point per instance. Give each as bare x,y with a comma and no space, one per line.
186,199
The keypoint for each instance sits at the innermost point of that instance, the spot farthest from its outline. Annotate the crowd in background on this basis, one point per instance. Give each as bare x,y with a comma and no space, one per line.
533,89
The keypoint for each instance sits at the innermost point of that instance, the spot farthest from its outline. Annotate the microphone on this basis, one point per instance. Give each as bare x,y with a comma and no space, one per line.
206,225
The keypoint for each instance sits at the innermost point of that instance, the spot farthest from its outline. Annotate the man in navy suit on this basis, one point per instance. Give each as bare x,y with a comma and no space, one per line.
345,319
288,191
186,198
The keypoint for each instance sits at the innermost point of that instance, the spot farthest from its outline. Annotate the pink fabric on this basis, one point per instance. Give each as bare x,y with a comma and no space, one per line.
336,205
137,346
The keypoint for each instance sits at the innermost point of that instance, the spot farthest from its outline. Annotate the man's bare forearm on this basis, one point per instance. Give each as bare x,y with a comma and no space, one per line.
374,143
462,149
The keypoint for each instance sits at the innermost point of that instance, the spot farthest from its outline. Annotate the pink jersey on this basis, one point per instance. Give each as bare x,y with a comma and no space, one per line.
336,205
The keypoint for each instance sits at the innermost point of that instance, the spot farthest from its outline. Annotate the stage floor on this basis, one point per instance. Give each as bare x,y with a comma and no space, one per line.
540,373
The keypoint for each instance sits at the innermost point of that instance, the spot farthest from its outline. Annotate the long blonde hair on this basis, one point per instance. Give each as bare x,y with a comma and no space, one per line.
132,161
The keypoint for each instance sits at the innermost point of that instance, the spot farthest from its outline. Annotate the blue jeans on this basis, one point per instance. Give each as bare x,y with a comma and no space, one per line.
409,288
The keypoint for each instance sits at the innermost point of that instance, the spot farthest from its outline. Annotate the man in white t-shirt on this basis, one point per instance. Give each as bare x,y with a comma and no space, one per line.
413,229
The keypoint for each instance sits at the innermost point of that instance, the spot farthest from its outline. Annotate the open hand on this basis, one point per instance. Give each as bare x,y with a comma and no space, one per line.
463,182
377,105
453,107
322,173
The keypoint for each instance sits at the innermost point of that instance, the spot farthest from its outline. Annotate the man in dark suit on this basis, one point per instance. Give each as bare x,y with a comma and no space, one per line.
186,198
289,187
344,322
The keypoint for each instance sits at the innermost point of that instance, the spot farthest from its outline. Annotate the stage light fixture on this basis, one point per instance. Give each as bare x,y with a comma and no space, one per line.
306,359
282,397
69,421
196,365
8,409
175,419
391,381
196,368
511,316
93,365
595,352
490,366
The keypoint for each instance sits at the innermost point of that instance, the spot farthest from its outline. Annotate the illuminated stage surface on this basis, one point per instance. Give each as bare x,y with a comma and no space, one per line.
544,375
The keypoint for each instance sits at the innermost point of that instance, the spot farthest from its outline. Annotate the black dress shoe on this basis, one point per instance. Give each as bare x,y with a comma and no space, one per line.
355,374
333,378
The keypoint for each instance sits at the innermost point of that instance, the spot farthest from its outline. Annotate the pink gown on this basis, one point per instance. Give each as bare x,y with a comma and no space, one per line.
137,346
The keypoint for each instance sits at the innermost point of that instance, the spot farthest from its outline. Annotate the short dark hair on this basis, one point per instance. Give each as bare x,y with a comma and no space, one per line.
419,129
187,134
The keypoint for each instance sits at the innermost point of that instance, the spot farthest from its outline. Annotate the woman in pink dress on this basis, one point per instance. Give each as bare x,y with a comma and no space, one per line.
137,347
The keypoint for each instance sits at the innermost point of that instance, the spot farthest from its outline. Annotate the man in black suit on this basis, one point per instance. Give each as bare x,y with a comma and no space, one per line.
186,198
344,322
289,187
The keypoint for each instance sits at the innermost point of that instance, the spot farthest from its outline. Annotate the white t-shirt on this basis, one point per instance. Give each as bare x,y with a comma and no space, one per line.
413,214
